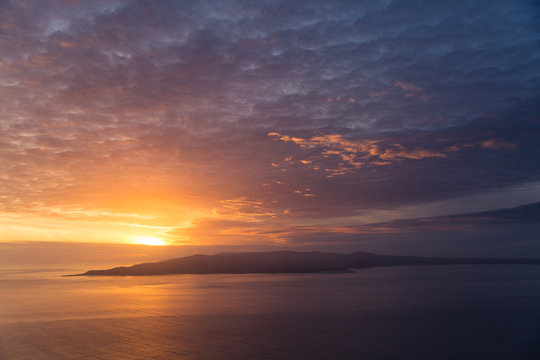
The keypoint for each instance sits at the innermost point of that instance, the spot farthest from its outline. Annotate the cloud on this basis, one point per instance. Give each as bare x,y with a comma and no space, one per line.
166,108
408,87
243,207
352,155
506,229
497,144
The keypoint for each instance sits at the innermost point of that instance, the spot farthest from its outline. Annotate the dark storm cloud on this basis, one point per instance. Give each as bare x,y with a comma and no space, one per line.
183,95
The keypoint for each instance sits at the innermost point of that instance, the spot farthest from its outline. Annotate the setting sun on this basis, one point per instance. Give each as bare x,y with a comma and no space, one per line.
149,240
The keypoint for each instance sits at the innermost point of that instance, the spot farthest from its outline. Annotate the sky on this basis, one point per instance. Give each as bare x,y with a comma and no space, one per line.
390,126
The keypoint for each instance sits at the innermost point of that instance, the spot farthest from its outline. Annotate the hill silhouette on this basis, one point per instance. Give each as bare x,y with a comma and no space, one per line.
287,262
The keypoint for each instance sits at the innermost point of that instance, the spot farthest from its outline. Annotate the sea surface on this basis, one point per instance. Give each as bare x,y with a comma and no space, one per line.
428,312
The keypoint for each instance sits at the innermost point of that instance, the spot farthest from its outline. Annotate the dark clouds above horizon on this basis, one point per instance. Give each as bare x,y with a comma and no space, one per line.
273,112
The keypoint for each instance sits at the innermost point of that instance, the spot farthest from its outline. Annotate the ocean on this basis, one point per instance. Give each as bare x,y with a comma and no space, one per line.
427,312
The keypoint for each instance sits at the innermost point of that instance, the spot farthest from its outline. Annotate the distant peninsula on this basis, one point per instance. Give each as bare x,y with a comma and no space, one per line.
287,262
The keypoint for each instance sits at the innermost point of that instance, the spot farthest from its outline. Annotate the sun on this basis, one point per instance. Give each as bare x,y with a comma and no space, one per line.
148,240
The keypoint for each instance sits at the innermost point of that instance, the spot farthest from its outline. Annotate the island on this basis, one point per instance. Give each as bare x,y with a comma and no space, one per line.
288,262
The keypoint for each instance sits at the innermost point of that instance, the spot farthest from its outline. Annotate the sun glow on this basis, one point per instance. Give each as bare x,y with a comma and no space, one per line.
148,240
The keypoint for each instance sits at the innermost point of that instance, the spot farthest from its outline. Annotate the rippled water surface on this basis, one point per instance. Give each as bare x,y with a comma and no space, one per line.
432,312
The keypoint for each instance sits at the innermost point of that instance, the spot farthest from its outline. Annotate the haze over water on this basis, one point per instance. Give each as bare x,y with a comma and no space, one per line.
431,312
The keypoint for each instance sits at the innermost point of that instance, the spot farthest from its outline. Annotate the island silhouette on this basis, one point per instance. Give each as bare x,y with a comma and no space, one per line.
288,262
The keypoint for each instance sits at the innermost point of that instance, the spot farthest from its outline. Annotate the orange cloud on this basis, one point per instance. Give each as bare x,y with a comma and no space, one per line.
497,144
243,207
416,154
354,154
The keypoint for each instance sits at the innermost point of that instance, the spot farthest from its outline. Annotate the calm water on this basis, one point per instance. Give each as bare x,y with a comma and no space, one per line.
439,312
